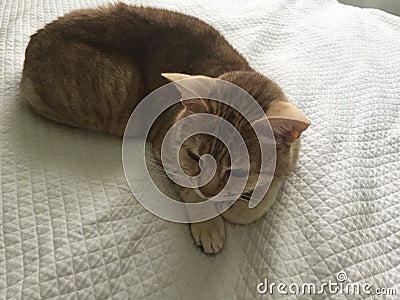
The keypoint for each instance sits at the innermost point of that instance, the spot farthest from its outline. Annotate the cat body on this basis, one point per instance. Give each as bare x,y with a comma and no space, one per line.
91,67
117,53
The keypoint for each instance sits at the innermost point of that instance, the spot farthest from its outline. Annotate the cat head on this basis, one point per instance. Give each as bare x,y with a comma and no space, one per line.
286,120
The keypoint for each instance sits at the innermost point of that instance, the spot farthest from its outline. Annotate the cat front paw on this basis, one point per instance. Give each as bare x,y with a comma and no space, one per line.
210,234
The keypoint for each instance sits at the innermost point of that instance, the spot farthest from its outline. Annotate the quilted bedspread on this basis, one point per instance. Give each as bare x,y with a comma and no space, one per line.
71,229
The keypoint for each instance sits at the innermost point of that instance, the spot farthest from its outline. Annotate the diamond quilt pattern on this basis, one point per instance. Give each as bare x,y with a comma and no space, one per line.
71,229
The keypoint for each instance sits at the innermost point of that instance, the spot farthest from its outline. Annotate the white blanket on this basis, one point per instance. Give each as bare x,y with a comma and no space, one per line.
71,229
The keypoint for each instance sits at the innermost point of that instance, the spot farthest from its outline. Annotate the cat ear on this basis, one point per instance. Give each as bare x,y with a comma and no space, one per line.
196,105
192,91
287,120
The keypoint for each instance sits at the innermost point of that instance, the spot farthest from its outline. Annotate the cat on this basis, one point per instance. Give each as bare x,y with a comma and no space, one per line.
91,67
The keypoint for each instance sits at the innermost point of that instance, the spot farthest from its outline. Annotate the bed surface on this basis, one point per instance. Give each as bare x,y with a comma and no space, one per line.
71,229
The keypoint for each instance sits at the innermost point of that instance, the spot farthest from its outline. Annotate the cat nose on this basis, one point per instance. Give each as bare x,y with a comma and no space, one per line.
212,188
215,185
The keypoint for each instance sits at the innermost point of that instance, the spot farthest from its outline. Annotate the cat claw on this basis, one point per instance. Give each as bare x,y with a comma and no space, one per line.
210,235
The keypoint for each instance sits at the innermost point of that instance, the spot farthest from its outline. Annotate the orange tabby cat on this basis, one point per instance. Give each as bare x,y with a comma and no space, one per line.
91,67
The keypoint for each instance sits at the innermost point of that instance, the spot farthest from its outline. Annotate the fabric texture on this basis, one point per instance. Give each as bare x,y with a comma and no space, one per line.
71,229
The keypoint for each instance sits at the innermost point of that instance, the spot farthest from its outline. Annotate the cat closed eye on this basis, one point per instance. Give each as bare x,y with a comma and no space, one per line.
193,155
